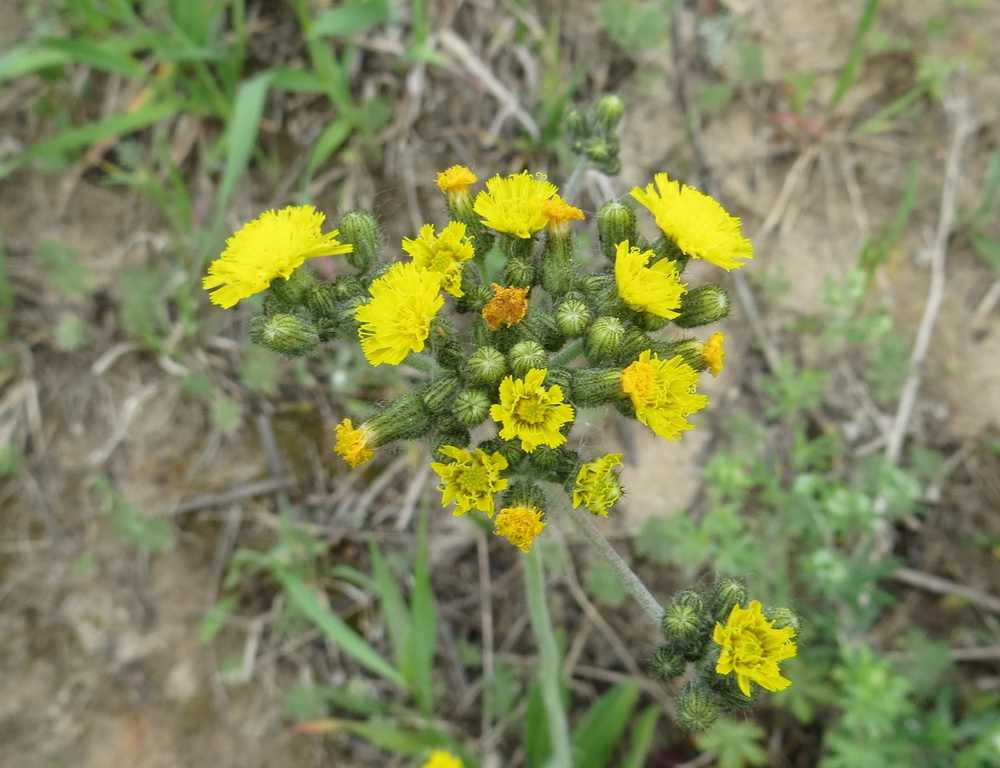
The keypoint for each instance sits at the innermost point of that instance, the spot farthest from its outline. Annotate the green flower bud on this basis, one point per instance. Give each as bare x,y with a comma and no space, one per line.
667,663
696,707
539,325
474,298
557,265
686,624
702,306
519,272
509,449
525,494
471,407
603,153
688,349
666,248
455,436
728,693
405,419
561,377
441,332
558,463
487,365
572,316
360,229
634,344
526,355
592,387
615,222
728,592
291,292
514,247
450,356
784,617
346,287
439,395
604,340
651,322
574,123
608,114
285,334
321,300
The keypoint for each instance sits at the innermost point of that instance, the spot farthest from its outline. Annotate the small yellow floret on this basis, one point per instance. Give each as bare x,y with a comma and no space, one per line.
513,205
445,254
752,648
441,759
597,486
713,355
656,289
397,319
354,445
458,178
663,393
531,413
471,480
558,211
521,526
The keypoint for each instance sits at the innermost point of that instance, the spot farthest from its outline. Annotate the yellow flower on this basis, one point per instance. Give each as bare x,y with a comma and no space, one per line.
695,222
397,319
273,245
530,412
513,205
712,354
354,445
471,480
656,289
445,253
521,525
508,306
456,179
559,213
597,487
752,648
441,759
663,393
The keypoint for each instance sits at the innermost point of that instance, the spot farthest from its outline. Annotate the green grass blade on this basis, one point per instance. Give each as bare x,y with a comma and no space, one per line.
112,55
642,739
394,613
991,186
332,138
424,627
599,732
242,135
857,52
350,18
28,59
335,629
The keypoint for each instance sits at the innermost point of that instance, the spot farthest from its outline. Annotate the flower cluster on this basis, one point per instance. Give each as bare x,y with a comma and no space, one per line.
509,330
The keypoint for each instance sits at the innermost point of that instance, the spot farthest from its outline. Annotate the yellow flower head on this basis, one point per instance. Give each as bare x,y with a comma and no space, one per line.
458,178
397,319
712,354
441,759
559,213
445,253
471,480
513,205
656,289
354,445
752,648
273,245
663,393
695,222
597,486
521,525
530,412
508,306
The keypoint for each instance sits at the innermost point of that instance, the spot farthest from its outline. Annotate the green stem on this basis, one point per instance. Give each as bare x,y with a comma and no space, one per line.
549,663
567,355
638,590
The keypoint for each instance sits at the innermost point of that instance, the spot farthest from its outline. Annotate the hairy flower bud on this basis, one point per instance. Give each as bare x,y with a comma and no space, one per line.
285,334
539,325
615,223
450,356
407,418
455,436
608,113
603,340
474,297
667,663
572,316
526,355
702,306
525,494
487,365
439,395
696,707
361,230
784,617
686,624
471,407
591,387
519,272
688,349
728,592
321,301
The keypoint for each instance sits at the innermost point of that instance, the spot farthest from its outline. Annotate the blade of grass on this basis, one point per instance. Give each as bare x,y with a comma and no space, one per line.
350,18
642,738
334,627
857,52
599,732
242,134
394,613
424,629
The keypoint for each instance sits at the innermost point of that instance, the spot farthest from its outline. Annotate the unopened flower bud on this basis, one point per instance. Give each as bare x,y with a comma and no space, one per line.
509,449
285,334
686,624
667,663
405,419
702,306
688,349
439,395
608,113
603,153
728,592
574,123
441,332
666,248
634,344
591,387
557,270
347,287
360,229
541,326
604,340
450,356
471,407
487,365
457,437
474,297
572,316
525,494
615,224
526,355
519,272
321,300
696,707
784,617
558,463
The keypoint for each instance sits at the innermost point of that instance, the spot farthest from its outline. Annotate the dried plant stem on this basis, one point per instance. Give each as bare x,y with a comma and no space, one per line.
638,590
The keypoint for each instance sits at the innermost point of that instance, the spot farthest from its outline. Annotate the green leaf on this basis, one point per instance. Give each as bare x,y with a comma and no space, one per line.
599,732
424,629
394,613
153,534
112,55
605,585
66,272
850,71
335,629
215,619
642,738
350,18
241,136
735,743
989,249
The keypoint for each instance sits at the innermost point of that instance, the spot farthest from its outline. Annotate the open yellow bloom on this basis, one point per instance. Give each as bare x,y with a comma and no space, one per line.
397,319
472,480
530,412
656,289
663,393
458,178
752,648
712,354
273,245
513,205
354,445
441,759
508,306
445,253
695,222
597,486
521,525
559,214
